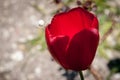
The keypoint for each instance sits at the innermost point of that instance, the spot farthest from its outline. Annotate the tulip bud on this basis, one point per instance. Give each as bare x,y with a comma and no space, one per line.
72,38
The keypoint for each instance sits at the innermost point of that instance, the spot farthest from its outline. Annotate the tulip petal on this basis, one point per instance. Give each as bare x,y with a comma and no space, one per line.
82,48
57,46
71,22
95,23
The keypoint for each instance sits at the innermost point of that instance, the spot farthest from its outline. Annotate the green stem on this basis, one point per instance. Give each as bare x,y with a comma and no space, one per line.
81,75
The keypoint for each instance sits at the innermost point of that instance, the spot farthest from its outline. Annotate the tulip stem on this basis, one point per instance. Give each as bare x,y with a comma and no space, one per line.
81,75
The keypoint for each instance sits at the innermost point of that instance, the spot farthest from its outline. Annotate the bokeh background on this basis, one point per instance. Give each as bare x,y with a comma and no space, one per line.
23,51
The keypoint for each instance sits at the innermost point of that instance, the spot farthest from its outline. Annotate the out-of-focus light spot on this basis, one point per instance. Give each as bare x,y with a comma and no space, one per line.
22,39
116,77
41,22
30,37
37,71
17,56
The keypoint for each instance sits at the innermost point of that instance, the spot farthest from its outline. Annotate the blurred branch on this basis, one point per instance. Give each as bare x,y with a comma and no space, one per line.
95,73
108,32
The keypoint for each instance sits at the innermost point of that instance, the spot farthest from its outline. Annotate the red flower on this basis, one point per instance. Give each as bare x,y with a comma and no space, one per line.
72,38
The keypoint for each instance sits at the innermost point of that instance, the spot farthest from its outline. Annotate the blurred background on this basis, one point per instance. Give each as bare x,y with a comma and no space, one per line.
23,51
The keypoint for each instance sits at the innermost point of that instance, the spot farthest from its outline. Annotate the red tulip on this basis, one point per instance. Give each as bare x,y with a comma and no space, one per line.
72,38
